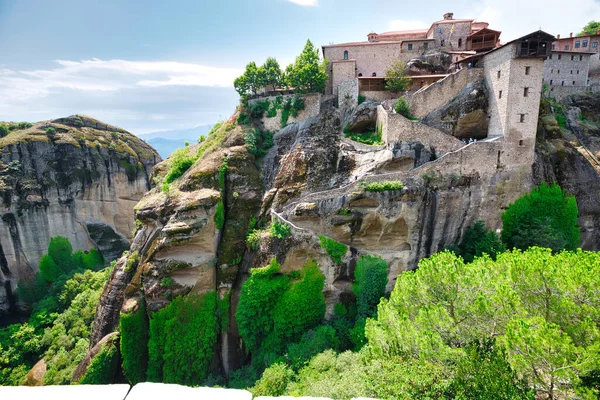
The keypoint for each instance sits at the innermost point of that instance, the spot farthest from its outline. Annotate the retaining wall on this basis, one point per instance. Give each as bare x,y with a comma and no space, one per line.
312,107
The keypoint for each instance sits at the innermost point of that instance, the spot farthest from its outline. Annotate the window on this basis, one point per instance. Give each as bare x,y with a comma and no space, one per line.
584,43
558,72
360,74
521,117
551,81
571,72
580,58
459,42
594,44
442,42
573,83
425,46
552,71
374,74
559,56
521,142
346,55
525,91
562,83
566,47
577,72
500,94
410,46
527,70
498,74
572,58
553,47
577,44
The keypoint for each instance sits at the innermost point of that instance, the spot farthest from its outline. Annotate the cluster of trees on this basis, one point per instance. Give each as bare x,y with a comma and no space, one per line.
306,75
63,298
591,28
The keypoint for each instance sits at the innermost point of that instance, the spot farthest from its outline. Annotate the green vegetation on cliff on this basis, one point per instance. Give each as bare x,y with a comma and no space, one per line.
134,343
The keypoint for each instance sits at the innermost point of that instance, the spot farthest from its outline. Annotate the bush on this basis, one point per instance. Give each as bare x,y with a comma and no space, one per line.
258,142
396,78
371,281
361,99
4,131
371,138
313,342
334,249
274,381
178,163
134,344
220,215
546,217
401,107
383,186
253,239
479,240
50,130
182,340
24,125
280,230
103,367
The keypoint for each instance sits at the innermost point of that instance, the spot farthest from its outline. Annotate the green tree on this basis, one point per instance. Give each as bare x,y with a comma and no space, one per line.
272,72
61,251
591,28
4,130
546,217
371,280
479,240
307,75
251,81
396,79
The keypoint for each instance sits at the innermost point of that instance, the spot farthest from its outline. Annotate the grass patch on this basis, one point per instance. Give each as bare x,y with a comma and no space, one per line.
383,186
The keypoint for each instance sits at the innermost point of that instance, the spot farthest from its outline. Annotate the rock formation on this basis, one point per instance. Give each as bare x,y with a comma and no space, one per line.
74,177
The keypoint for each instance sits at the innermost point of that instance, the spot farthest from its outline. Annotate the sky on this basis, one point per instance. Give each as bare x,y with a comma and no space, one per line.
152,65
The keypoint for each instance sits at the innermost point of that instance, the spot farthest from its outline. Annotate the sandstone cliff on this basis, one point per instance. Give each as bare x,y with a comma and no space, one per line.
74,177
314,179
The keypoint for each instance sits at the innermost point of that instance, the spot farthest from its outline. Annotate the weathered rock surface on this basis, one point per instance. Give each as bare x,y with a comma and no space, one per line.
465,116
427,64
74,177
364,117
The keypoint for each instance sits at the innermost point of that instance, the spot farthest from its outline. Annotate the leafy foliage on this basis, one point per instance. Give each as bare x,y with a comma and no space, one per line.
396,78
220,215
178,163
591,28
334,249
546,217
401,107
307,74
477,241
4,131
280,230
258,142
371,280
183,336
134,344
383,186
274,381
103,367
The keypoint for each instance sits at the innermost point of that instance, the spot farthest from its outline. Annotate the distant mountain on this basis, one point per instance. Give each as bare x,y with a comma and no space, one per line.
166,142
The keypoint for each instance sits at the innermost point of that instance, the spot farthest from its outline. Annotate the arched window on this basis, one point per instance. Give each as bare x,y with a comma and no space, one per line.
459,42
360,74
346,55
374,73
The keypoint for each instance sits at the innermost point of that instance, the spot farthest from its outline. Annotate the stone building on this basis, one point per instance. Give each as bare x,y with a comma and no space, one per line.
586,44
456,38
566,68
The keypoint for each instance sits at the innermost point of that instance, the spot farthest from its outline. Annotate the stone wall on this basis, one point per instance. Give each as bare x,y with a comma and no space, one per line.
396,128
451,33
497,78
348,93
442,92
564,69
312,107
560,92
342,71
379,95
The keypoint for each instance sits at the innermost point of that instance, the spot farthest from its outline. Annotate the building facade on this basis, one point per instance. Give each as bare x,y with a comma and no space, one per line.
370,59
566,68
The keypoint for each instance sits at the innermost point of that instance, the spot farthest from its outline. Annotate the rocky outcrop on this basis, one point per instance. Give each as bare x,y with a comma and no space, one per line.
74,177
427,64
465,116
364,118
570,157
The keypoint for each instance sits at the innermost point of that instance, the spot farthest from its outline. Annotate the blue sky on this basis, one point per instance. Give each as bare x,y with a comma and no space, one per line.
157,65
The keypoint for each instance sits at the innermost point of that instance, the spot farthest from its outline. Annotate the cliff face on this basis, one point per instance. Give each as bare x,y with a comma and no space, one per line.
315,180
74,177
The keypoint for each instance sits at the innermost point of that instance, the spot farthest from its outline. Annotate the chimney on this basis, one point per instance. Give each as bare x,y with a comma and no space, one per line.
558,36
448,15
571,34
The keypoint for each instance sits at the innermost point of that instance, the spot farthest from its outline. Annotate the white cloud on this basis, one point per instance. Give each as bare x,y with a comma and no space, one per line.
407,25
110,75
516,18
305,3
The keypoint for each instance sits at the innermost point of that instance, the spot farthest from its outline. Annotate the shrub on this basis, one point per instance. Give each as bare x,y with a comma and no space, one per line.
243,119
274,381
383,186
258,298
50,130
313,342
258,108
179,162
132,261
134,344
371,281
24,125
334,249
371,138
103,367
546,217
361,99
183,336
220,215
253,239
401,107
166,282
280,230
258,142
4,130
479,240
396,78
